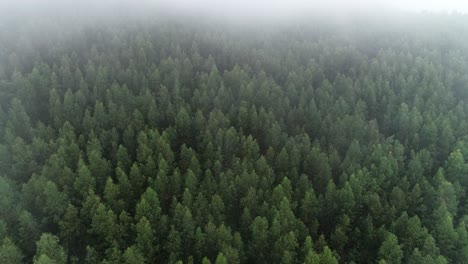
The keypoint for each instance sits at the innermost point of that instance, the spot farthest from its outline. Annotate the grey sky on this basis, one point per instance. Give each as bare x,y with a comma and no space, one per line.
239,9
271,5
432,5
303,5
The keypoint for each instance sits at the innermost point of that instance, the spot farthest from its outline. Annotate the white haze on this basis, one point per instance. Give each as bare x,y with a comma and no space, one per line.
295,7
254,7
243,11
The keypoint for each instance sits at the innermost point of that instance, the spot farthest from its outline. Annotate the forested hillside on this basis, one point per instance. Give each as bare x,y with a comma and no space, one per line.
166,141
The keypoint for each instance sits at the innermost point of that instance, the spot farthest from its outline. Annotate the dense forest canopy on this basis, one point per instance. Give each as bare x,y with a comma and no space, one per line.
162,139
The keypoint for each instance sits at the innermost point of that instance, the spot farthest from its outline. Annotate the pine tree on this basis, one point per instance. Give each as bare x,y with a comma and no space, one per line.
48,248
390,251
10,253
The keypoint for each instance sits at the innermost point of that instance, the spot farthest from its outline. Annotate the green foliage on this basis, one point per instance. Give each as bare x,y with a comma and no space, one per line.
49,249
133,256
390,251
327,257
160,141
10,253
220,259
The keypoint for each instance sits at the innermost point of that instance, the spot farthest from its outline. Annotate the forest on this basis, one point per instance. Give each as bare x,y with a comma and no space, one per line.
168,140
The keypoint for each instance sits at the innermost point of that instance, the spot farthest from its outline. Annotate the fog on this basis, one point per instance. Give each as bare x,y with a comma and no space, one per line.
233,9
294,7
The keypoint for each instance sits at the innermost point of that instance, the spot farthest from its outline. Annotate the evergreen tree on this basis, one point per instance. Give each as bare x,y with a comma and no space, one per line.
390,251
10,253
48,248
